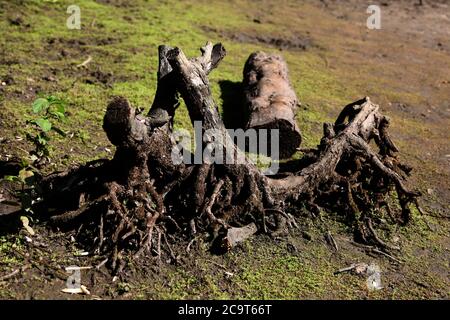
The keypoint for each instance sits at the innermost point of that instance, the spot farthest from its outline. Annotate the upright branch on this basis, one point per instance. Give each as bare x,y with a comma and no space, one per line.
166,98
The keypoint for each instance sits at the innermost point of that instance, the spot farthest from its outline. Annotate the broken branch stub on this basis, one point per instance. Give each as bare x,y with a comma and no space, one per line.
270,101
166,96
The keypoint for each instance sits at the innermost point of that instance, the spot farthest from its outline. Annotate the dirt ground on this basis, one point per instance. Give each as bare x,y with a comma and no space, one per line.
333,58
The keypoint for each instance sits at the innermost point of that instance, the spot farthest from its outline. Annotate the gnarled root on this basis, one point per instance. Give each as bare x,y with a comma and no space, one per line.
134,201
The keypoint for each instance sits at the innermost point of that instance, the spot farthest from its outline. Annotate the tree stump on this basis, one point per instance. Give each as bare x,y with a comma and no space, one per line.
126,205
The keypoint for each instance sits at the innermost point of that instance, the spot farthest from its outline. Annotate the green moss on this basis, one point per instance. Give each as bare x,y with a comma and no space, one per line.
7,245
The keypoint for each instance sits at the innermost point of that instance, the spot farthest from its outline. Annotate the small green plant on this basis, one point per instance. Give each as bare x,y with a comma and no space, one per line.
24,176
123,287
48,112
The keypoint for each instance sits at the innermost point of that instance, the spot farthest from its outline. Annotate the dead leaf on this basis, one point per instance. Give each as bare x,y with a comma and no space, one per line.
360,268
26,225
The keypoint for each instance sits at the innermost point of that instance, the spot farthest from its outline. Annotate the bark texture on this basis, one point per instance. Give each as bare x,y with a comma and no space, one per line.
270,101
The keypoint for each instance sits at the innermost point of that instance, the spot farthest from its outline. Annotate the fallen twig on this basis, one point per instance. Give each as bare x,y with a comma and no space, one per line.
101,264
375,250
169,247
9,275
358,268
377,239
188,248
85,62
225,270
331,241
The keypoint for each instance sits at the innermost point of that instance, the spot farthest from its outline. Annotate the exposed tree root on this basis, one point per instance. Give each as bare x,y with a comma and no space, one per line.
131,204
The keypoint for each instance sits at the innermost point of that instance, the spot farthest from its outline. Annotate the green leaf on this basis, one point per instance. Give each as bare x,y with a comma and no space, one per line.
60,108
24,163
24,174
57,109
55,101
33,158
57,115
44,124
11,178
42,139
40,104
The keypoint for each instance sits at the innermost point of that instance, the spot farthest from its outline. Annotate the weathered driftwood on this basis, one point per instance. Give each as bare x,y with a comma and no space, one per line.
133,200
270,101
